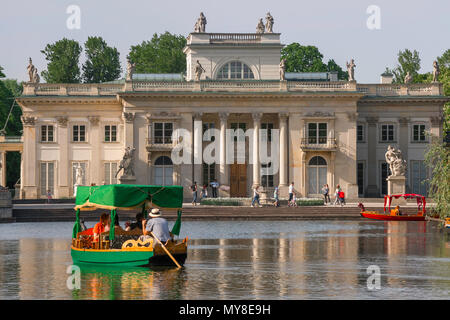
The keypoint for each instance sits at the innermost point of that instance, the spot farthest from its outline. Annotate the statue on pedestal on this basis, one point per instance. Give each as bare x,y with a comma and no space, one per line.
283,69
395,160
436,71
198,71
130,69
351,70
127,162
200,25
260,26
33,72
269,23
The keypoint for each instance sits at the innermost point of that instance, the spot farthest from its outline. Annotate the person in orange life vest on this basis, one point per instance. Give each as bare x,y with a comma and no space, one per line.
100,226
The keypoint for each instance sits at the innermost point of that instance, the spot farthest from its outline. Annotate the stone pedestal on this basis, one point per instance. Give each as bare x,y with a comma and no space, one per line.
5,205
397,185
127,179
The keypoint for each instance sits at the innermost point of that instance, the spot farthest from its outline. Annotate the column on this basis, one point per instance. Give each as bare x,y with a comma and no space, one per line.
223,174
95,139
30,165
3,167
129,129
198,148
256,161
284,166
372,185
64,172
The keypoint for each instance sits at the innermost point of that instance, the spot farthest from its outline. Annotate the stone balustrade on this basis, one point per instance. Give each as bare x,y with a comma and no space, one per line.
386,90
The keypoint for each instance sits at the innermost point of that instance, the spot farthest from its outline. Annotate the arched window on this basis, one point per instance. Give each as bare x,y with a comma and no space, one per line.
317,174
235,70
163,173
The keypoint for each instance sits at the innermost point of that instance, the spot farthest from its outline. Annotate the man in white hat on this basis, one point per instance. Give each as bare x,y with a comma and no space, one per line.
157,225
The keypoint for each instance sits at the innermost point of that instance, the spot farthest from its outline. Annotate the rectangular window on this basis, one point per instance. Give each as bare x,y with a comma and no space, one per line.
242,126
360,178
419,133
162,132
47,182
419,177
206,127
110,172
79,133
317,133
266,179
209,173
266,132
360,133
110,133
387,132
47,133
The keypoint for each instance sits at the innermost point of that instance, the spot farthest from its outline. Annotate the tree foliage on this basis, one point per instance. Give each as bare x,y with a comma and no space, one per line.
308,59
63,57
408,61
162,54
102,62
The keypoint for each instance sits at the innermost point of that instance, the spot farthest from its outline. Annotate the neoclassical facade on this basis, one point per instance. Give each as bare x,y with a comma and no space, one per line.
322,130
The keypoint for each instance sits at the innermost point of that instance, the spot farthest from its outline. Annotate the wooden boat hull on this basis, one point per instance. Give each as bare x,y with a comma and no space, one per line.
387,217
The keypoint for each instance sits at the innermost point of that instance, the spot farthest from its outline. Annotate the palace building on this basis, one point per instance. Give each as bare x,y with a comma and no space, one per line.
329,131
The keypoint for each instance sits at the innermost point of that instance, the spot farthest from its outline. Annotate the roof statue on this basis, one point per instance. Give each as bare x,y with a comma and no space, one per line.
130,68
260,26
200,25
436,71
33,72
283,69
269,23
351,70
198,71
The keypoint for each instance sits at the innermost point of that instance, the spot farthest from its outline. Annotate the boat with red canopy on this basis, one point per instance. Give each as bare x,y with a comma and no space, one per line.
396,214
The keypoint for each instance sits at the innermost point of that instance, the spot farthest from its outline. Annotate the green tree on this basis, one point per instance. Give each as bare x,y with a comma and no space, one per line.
102,62
63,57
437,158
2,75
308,59
162,54
407,61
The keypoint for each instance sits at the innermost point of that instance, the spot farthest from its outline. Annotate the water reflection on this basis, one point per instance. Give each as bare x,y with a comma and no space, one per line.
303,260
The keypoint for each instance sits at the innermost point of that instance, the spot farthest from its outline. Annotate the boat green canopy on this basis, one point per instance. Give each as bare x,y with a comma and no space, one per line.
125,197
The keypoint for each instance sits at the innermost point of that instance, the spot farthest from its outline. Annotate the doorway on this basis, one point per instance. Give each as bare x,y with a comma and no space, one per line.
238,180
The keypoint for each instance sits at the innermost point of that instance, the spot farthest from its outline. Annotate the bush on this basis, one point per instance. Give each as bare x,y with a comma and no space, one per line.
224,201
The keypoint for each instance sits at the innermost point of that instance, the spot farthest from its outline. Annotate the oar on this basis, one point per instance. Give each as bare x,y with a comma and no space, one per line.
165,249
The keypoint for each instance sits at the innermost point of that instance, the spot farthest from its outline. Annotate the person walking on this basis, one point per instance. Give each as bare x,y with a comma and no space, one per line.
326,194
194,193
214,185
204,192
255,196
291,192
49,196
336,194
275,196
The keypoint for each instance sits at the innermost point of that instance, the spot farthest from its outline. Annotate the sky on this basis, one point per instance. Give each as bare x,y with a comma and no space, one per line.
338,28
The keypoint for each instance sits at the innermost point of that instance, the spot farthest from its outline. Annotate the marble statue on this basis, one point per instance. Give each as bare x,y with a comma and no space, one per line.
283,69
33,72
408,77
269,23
200,25
198,71
79,175
260,26
130,69
395,160
436,71
127,162
351,70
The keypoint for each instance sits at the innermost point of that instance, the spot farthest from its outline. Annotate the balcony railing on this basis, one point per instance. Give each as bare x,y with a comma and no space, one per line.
414,89
159,143
314,143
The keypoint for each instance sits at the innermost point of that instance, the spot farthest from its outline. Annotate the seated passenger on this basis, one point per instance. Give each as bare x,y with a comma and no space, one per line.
137,224
101,226
396,211
157,225
116,223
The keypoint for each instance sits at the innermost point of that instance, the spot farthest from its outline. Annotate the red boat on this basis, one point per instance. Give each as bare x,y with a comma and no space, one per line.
395,214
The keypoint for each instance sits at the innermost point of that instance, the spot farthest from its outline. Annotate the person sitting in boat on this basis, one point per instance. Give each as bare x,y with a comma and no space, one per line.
157,225
396,211
137,224
100,227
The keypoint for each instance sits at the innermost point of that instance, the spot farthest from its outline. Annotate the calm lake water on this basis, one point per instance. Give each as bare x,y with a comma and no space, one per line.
243,260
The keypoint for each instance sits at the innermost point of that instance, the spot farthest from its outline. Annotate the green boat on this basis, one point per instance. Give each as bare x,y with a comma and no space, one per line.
117,247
